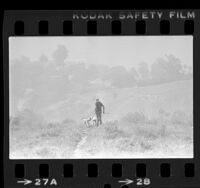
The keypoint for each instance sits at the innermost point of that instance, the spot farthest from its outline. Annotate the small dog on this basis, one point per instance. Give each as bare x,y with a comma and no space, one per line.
88,121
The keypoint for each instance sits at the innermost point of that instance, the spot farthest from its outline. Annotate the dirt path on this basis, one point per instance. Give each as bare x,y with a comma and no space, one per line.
77,151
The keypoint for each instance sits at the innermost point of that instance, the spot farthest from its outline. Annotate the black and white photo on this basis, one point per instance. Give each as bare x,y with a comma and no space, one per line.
101,97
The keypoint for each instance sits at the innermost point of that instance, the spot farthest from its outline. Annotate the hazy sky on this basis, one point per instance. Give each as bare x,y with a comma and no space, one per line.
110,50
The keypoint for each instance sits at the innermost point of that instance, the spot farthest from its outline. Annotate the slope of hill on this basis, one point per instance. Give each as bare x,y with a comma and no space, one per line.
145,122
149,100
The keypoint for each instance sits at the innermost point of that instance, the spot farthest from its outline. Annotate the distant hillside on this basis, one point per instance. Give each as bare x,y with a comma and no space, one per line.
149,100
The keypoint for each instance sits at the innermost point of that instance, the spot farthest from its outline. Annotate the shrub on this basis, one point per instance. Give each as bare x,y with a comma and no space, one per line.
136,117
65,121
52,133
145,146
112,132
26,119
46,152
15,122
179,117
115,130
153,121
162,112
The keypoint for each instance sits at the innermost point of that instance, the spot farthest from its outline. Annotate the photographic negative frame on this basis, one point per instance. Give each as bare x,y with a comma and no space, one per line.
113,172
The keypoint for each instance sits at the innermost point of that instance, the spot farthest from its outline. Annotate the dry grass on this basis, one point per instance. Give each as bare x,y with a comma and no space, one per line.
133,136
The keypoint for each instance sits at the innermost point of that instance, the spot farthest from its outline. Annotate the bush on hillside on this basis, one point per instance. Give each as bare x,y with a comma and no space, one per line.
136,117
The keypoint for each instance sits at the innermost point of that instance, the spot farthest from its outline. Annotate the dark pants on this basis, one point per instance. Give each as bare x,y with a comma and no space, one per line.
99,120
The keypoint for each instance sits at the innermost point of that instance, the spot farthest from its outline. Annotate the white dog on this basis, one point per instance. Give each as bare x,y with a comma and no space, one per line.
89,121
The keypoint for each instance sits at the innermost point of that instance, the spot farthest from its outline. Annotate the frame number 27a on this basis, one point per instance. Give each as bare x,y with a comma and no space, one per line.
39,182
45,181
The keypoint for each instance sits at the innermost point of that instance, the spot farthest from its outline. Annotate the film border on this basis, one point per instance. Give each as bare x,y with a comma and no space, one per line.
104,19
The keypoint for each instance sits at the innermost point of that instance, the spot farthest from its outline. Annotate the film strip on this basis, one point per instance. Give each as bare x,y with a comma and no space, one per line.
28,162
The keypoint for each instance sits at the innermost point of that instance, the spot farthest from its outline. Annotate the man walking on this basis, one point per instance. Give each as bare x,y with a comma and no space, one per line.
99,108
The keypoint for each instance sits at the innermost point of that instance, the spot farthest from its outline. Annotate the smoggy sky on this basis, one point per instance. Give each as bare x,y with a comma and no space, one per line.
110,50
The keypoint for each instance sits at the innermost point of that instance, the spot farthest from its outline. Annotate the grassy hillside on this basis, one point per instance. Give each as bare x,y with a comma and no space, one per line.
154,121
170,97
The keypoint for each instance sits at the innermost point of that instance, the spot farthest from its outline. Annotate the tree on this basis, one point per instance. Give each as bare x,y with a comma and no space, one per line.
168,69
60,54
143,70
120,77
134,73
43,59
